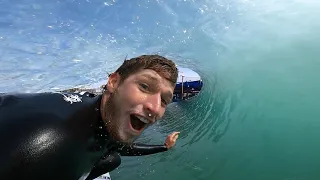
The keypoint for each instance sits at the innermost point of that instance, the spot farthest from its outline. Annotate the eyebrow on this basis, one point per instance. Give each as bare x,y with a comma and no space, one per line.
151,77
167,93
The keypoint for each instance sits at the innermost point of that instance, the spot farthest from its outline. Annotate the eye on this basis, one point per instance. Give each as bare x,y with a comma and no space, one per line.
144,86
164,102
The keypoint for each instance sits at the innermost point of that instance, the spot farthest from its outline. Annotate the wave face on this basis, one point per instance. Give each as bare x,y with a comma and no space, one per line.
257,116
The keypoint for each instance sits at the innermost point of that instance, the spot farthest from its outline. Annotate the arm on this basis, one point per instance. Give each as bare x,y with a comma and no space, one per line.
137,149
112,161
141,149
106,164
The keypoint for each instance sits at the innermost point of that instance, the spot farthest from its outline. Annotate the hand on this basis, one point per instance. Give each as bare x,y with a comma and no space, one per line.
171,139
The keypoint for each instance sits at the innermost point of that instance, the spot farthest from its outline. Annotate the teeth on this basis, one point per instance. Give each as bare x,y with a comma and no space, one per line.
143,119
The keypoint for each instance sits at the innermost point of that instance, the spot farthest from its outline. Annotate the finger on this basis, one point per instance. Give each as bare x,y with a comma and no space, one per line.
175,138
173,134
176,134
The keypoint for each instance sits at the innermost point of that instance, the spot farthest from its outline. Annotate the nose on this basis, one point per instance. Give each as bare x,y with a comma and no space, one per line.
153,105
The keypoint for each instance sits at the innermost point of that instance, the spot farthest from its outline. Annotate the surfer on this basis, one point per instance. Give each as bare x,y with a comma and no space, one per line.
60,135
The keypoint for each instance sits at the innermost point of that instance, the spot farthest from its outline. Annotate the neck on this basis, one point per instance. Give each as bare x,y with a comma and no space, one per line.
106,113
102,104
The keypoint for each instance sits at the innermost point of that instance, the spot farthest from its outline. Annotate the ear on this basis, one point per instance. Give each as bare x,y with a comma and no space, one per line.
113,82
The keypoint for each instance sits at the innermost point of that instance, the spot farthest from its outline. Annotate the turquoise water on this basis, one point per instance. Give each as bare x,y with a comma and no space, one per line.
257,117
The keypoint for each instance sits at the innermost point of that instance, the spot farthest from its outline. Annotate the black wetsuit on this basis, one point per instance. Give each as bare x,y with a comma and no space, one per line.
51,136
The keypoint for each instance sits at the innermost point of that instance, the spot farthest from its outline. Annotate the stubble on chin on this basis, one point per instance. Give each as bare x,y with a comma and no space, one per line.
112,124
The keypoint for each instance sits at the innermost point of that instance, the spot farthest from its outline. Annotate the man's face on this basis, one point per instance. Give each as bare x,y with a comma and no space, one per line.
136,103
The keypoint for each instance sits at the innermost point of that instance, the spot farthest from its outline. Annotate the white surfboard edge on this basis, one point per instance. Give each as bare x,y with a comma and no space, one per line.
105,176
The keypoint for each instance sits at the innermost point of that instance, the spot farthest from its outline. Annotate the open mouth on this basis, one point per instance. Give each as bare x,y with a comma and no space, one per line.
137,122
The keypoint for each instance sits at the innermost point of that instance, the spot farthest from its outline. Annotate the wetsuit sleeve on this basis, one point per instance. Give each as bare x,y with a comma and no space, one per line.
112,161
137,149
106,164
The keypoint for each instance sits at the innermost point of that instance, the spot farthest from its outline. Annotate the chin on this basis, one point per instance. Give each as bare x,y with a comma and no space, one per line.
125,139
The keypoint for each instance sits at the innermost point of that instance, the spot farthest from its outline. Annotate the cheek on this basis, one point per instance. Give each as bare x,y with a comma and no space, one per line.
131,95
162,112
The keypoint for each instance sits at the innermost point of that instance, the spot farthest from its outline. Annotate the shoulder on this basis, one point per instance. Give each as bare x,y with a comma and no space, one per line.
76,96
47,100
93,90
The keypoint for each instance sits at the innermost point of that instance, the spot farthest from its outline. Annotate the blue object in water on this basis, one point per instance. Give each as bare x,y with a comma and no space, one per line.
189,84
